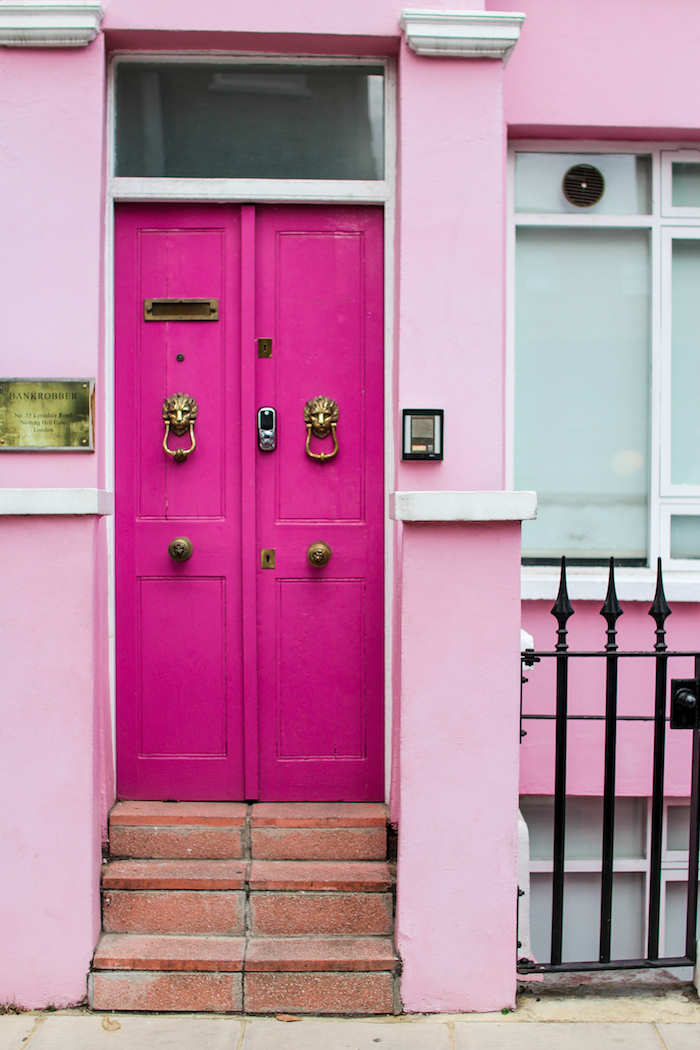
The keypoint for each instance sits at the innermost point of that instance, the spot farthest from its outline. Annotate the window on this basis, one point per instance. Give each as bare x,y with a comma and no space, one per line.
607,354
269,120
632,853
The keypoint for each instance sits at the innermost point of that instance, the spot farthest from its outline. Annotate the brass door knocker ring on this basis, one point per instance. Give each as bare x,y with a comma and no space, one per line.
321,418
179,414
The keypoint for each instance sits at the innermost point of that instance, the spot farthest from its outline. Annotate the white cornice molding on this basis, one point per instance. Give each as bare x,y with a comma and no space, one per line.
463,506
49,23
19,502
462,34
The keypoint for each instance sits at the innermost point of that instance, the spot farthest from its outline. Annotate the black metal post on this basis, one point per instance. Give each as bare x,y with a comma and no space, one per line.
612,611
693,845
660,612
561,610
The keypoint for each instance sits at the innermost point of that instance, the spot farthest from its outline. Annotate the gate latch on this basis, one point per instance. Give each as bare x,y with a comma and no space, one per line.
685,705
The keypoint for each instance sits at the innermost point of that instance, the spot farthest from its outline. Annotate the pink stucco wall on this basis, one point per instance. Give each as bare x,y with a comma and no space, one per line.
459,765
626,69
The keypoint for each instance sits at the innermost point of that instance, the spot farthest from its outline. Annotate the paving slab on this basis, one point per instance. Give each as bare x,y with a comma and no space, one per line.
680,1036
344,1035
15,1029
123,1032
505,1036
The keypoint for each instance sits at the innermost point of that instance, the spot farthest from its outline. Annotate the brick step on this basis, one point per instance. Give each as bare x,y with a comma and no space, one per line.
178,830
318,831
234,954
254,993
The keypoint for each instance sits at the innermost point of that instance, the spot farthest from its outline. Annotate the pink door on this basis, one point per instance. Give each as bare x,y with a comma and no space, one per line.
236,680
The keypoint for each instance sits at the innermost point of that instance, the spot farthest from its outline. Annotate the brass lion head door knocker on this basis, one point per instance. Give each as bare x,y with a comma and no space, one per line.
321,418
179,414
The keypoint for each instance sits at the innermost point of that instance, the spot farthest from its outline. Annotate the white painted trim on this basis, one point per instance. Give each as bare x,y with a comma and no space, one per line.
281,191
463,506
49,23
261,190
541,583
56,501
462,34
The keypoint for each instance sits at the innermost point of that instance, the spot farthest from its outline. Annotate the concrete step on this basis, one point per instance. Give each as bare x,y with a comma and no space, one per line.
174,875
174,912
187,830
318,831
302,954
155,991
127,951
319,993
332,876
289,914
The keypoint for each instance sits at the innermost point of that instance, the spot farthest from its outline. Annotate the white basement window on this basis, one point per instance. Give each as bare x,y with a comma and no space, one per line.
606,325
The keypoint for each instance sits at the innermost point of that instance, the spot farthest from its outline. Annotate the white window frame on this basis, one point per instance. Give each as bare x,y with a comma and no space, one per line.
260,191
681,576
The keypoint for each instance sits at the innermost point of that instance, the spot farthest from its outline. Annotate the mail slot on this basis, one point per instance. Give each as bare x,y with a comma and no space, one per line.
181,309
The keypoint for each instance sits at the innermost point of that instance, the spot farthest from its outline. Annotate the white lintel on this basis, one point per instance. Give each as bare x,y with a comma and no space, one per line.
49,23
462,34
56,501
463,506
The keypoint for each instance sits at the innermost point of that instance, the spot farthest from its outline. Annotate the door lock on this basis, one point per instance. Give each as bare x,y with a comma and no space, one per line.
267,429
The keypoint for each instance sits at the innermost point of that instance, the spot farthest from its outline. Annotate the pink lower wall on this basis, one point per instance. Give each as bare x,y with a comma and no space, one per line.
635,740
49,773
459,766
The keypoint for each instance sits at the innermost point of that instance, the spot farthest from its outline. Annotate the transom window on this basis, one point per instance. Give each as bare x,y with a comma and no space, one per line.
607,354
268,120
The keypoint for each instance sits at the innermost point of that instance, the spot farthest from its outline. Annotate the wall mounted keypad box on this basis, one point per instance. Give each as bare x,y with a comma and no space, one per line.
423,433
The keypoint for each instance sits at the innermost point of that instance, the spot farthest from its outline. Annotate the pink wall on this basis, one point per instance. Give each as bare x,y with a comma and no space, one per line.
630,64
50,857
459,766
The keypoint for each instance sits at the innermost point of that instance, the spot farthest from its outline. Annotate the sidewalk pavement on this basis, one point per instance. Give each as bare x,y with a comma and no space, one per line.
668,1021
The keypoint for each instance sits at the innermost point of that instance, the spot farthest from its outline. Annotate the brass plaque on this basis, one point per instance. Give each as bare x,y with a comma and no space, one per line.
181,309
48,415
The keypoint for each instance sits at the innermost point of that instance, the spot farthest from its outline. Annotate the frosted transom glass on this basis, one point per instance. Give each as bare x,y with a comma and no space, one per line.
685,363
582,361
685,536
686,185
266,121
539,177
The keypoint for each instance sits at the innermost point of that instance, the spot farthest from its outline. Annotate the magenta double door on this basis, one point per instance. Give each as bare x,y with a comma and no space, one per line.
245,671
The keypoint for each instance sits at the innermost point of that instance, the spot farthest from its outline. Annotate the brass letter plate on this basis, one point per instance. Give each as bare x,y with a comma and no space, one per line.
47,415
181,309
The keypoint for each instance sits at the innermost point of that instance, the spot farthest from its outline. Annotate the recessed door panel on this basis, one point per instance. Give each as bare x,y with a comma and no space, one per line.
321,687
182,682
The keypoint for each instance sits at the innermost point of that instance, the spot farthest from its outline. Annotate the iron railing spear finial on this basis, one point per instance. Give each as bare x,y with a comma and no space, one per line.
562,609
660,610
612,610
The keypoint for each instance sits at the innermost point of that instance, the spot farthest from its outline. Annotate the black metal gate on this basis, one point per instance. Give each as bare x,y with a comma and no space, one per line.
680,708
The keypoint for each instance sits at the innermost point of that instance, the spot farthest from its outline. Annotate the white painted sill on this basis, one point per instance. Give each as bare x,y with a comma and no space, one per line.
590,583
463,506
21,502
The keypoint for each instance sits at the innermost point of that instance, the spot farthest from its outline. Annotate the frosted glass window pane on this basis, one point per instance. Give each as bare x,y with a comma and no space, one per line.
539,177
685,364
584,827
686,185
582,391
685,536
266,121
676,907
678,827
582,916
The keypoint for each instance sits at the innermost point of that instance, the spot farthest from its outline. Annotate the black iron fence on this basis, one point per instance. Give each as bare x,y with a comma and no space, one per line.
676,709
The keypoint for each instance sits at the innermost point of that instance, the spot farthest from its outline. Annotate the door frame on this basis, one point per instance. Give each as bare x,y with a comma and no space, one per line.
258,191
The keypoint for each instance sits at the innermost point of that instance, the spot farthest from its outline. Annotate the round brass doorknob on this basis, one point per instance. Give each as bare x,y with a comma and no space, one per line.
319,554
180,549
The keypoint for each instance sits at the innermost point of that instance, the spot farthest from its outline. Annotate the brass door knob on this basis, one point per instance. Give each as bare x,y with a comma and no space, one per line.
180,549
319,554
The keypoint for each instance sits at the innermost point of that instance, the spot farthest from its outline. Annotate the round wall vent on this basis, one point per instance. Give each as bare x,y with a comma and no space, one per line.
583,185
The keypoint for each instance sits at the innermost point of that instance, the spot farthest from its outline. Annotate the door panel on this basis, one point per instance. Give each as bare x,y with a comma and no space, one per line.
310,278
320,655
179,694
